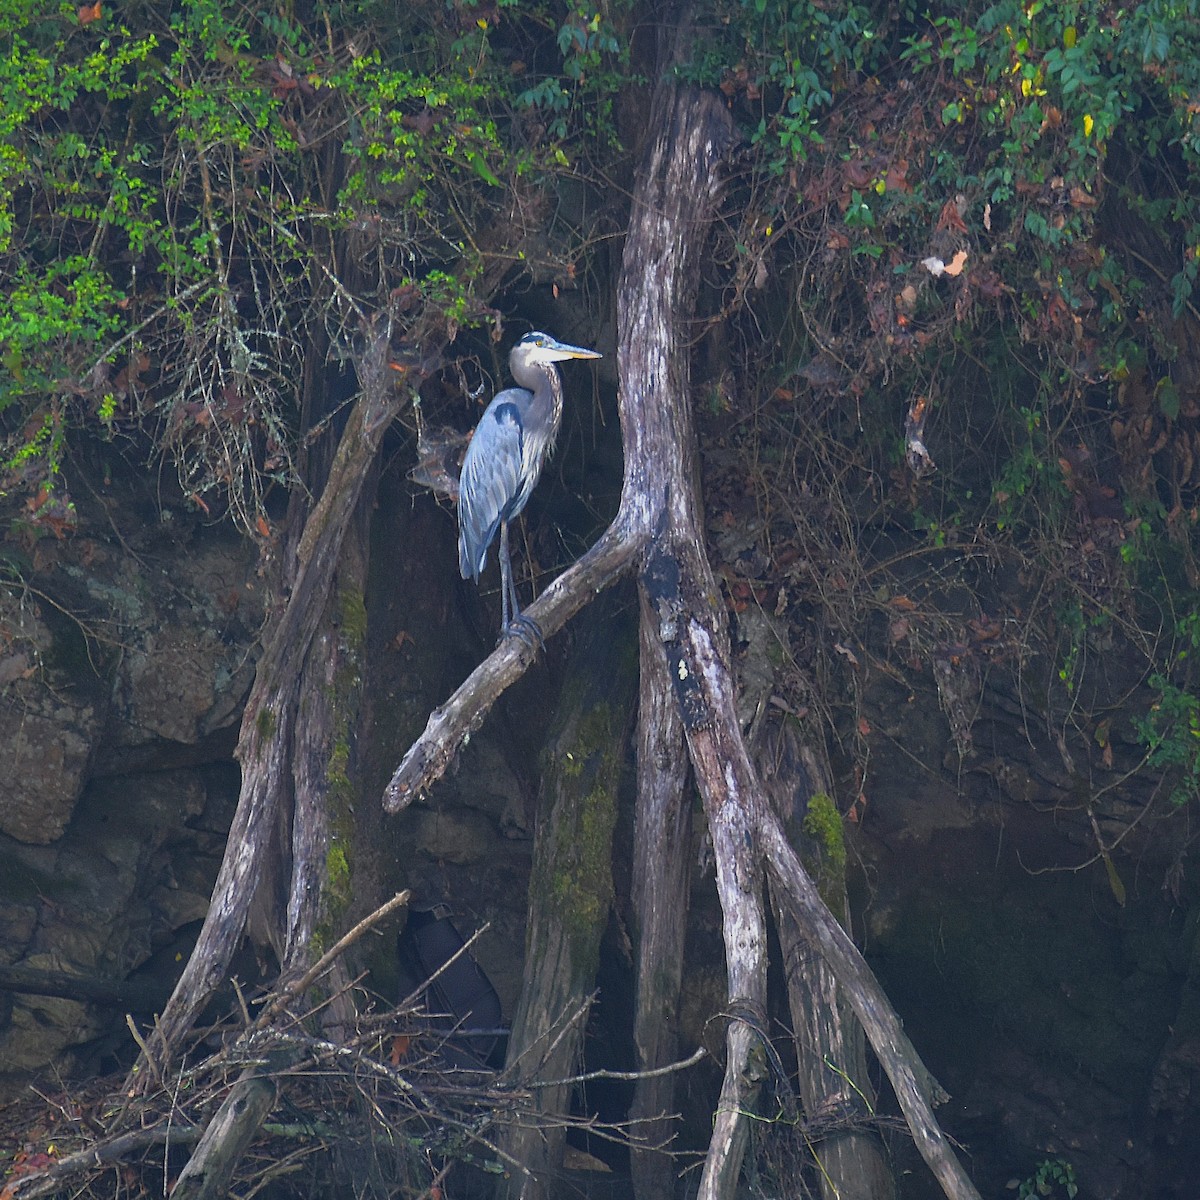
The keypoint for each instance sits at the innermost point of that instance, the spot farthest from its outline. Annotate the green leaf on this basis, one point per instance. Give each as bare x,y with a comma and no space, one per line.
479,165
1168,399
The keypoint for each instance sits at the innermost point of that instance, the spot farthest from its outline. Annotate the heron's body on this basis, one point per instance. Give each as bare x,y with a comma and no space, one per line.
505,458
500,470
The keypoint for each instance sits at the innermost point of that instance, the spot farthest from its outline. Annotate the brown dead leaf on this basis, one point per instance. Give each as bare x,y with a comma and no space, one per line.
896,178
846,653
951,217
858,173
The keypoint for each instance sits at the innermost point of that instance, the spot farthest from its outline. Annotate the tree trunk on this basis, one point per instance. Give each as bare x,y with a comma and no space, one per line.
662,846
570,893
916,1090
830,1051
674,203
266,745
674,200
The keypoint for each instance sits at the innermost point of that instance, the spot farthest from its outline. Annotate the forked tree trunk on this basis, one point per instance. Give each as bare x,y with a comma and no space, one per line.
673,202
674,205
659,519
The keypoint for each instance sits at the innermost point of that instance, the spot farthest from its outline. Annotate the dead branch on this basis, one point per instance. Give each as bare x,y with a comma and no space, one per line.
114,993
692,1059
301,985
104,1153
449,726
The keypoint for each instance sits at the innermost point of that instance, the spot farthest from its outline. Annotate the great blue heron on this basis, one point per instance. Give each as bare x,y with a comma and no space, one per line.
504,459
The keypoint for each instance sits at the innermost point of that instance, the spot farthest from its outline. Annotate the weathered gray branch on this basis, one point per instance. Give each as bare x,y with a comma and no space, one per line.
429,756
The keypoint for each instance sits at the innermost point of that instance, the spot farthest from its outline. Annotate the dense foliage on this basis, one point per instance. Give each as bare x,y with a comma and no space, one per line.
196,199
974,224
972,235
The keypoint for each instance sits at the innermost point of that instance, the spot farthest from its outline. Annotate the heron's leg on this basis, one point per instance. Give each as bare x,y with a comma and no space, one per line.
505,578
513,621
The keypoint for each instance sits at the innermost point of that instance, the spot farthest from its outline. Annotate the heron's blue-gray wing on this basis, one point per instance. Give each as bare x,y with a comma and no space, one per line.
492,486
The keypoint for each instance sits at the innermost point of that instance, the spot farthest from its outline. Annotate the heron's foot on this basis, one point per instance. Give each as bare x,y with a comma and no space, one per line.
527,629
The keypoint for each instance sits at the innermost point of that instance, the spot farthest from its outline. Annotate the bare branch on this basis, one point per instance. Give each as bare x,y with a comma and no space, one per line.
449,726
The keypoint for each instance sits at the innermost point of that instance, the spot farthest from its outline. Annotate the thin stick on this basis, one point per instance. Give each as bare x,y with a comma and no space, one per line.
682,1065
151,1062
322,964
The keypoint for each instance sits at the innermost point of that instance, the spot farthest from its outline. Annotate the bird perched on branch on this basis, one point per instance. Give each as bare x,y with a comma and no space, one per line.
503,462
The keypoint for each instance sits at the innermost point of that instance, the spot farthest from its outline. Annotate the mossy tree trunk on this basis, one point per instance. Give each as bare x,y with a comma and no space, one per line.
267,745
830,1048
263,835
570,890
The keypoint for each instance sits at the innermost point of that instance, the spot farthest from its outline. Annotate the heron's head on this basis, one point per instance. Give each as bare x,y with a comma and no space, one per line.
536,348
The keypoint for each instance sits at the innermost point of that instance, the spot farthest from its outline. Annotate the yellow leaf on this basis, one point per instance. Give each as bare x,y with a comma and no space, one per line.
1069,36
1088,125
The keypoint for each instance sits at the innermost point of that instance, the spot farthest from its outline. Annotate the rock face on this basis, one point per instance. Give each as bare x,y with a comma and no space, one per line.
109,649
1057,1005
189,671
50,724
124,663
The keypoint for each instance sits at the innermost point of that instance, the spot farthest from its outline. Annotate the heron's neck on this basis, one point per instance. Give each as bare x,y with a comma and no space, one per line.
544,381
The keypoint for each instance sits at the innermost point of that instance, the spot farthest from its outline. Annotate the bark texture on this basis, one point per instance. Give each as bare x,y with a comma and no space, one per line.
662,846
570,895
830,1051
